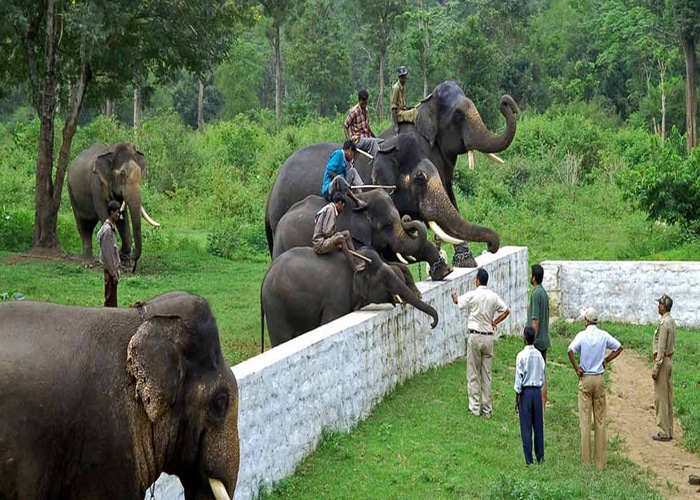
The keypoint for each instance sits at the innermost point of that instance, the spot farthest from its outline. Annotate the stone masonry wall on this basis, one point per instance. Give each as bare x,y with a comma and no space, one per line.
332,377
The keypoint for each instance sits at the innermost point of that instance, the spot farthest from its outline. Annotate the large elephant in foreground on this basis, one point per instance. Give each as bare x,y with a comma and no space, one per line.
419,162
100,174
379,226
97,402
302,291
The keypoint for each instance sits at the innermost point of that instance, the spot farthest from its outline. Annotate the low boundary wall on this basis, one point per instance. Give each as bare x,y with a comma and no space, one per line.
332,377
623,292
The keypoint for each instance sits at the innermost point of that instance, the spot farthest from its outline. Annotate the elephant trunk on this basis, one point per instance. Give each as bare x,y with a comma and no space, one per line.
481,139
446,221
132,198
411,237
402,290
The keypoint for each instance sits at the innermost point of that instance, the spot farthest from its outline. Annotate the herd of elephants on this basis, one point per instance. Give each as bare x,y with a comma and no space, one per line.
79,421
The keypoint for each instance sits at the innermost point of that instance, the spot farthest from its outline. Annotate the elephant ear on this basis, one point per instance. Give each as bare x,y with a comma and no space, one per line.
427,119
156,364
385,166
141,160
103,166
361,228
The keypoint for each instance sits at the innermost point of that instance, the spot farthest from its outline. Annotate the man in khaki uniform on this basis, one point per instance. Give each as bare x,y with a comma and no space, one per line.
664,346
486,310
400,112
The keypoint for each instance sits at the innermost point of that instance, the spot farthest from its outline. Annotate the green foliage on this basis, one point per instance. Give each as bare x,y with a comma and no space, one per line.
16,230
665,184
11,295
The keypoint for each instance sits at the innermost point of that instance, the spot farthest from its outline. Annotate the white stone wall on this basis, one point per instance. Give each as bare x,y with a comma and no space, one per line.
332,377
623,292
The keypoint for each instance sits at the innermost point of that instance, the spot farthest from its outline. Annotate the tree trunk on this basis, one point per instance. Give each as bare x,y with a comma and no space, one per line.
45,218
662,84
109,108
200,105
137,100
426,54
691,96
278,73
380,102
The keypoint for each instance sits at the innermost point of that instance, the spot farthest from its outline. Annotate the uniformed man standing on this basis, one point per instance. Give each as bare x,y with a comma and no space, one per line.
664,346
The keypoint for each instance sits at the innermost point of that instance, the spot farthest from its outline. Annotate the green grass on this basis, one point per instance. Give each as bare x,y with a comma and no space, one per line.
422,442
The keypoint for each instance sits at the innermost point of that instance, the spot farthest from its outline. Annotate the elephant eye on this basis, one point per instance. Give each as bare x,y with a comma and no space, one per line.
219,403
458,116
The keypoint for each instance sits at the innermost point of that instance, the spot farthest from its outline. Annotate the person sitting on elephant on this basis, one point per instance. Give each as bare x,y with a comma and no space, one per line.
109,254
401,113
340,175
357,127
325,239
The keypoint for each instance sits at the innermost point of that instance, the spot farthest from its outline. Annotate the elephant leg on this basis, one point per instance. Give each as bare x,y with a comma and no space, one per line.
463,256
125,233
86,229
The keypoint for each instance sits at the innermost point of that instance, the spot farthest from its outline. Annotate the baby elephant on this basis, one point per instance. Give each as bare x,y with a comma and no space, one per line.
302,291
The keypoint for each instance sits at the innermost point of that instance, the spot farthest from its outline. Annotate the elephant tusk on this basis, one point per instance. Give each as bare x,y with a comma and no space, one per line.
148,218
123,207
495,159
401,258
218,489
398,299
470,156
411,258
443,235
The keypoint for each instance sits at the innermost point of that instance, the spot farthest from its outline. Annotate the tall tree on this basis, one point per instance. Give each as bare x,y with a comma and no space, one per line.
67,43
378,23
686,18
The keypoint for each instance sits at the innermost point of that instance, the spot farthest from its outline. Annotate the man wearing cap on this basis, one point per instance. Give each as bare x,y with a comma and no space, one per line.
591,345
356,126
401,113
326,239
109,254
664,346
486,310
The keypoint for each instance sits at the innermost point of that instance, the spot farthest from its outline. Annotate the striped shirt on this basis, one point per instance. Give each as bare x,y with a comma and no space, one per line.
529,369
358,123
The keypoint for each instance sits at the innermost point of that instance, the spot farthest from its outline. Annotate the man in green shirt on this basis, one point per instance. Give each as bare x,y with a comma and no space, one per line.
538,318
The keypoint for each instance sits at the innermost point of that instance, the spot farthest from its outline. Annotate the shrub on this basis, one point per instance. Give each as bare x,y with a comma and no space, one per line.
16,230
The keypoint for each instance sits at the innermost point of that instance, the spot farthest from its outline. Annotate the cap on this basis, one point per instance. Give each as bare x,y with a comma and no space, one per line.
591,314
112,206
403,71
665,301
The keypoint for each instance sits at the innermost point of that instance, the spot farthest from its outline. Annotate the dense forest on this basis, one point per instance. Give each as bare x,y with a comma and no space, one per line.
285,64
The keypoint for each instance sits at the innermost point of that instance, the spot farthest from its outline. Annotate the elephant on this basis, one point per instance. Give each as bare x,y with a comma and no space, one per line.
97,402
100,174
379,226
447,125
302,291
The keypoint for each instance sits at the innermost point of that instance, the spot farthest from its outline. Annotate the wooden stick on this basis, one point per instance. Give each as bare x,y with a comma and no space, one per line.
362,151
360,256
372,186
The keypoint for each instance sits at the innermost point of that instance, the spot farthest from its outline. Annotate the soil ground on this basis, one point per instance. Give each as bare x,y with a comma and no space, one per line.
631,415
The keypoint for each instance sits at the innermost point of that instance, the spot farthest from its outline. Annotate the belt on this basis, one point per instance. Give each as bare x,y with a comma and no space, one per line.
532,387
480,333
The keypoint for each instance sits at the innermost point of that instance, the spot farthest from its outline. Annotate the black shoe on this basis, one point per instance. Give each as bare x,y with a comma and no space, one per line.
659,437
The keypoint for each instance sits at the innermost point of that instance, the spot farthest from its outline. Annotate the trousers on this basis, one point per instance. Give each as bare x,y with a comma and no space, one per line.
591,398
342,184
663,398
479,361
110,290
531,419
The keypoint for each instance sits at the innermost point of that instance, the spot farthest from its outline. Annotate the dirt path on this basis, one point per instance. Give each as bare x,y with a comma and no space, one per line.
631,415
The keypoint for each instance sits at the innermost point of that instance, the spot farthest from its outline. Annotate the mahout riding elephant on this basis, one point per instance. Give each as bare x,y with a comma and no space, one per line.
100,174
97,402
447,125
302,291
379,227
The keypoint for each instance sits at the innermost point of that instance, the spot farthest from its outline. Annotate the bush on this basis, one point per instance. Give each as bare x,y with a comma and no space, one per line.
232,240
16,230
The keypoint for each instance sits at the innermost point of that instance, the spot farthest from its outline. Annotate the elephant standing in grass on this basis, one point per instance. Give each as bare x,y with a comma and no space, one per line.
302,291
100,174
96,403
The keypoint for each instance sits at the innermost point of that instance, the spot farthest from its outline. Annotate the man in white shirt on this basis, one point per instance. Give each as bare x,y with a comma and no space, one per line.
486,310
591,345
529,378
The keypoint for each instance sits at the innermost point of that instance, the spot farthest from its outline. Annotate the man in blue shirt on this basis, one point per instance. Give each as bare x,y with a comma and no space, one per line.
340,175
591,345
529,377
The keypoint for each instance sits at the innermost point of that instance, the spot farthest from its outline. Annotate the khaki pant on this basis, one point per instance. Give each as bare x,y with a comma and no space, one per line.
591,397
479,360
663,398
407,115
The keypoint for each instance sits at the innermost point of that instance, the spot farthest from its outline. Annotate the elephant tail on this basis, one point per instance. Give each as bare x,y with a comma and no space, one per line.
268,234
262,322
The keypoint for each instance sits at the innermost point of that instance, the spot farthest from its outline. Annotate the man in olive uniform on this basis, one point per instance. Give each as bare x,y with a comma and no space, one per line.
538,318
664,346
401,113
